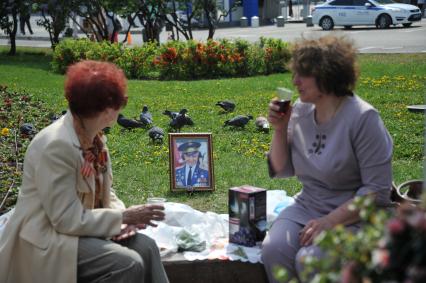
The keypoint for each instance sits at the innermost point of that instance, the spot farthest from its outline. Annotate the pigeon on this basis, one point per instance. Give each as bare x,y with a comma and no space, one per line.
181,120
145,117
262,124
238,121
53,116
27,129
156,134
106,130
171,114
129,123
226,105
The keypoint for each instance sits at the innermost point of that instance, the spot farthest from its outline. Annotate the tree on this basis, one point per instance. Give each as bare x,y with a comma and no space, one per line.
9,10
178,23
55,14
151,14
213,13
99,17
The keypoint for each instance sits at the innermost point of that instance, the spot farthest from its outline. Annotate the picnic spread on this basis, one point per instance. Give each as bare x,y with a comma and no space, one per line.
201,235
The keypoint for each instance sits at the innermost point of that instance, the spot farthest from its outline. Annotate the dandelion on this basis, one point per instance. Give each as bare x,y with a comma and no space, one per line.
5,132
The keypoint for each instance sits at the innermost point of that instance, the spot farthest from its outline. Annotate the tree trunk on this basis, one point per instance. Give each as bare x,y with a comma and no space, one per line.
12,33
210,24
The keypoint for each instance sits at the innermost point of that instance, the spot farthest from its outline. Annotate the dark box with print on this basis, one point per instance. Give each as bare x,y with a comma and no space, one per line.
247,215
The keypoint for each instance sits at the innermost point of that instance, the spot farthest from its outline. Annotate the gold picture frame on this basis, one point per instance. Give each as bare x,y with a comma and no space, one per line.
191,162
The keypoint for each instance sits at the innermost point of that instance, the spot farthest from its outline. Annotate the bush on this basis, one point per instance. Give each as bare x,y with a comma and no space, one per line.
70,51
388,248
138,63
179,60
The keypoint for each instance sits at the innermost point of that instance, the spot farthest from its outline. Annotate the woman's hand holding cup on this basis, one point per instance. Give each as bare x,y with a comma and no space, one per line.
280,109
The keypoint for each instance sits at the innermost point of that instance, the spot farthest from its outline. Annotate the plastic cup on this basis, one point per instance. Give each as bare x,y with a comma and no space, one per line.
156,200
284,99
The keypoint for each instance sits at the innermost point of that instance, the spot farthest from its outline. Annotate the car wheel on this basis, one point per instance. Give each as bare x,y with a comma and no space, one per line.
384,21
327,23
407,25
347,27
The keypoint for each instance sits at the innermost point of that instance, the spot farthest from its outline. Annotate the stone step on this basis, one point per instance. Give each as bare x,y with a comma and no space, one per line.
180,270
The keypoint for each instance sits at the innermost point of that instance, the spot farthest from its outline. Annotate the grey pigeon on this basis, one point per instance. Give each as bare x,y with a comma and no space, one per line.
156,134
171,114
27,129
53,116
129,123
262,124
181,120
145,117
238,121
226,105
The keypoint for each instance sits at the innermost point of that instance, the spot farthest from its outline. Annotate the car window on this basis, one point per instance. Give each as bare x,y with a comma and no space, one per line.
384,2
341,3
359,2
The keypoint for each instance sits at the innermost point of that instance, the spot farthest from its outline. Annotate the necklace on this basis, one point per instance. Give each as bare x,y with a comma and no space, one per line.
341,99
324,118
320,139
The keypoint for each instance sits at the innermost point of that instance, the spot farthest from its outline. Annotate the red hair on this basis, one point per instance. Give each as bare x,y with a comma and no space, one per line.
91,87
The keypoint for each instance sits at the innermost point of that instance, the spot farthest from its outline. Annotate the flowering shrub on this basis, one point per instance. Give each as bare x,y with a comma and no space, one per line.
138,63
385,250
276,54
180,60
70,51
402,253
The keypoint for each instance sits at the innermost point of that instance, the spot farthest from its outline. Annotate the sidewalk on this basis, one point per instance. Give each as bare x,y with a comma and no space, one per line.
40,34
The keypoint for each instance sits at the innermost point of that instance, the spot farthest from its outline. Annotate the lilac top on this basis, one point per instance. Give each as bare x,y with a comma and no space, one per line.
348,156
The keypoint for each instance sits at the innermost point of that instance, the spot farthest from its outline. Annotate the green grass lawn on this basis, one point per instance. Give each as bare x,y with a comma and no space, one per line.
389,82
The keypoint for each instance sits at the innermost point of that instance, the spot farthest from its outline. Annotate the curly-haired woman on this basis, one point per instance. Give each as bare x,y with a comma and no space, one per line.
334,142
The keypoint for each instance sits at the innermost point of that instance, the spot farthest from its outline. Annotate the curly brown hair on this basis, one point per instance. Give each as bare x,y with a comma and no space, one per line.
91,87
331,60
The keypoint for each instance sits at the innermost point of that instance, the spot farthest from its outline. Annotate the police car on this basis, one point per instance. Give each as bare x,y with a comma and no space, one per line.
347,13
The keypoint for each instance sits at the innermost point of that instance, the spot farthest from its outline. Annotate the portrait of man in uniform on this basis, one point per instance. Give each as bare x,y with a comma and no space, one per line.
191,162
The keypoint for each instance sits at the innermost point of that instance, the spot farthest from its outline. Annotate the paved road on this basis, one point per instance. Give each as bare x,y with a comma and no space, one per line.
368,39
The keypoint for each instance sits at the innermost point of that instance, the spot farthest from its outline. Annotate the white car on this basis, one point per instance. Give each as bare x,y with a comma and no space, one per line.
348,13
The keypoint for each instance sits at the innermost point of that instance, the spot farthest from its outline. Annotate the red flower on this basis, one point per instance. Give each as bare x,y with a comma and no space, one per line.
8,102
396,226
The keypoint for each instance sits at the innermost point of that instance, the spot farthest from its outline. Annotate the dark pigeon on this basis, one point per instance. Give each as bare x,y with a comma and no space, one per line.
238,121
145,117
53,116
226,105
181,120
106,130
129,123
27,129
172,115
156,134
262,124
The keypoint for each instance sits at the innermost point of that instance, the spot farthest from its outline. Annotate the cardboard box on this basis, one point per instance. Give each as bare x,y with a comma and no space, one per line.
247,215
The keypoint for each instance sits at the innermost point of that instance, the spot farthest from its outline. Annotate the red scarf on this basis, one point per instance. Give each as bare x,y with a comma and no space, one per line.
95,159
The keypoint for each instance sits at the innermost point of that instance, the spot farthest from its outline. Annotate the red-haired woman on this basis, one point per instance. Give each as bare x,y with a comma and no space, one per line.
68,224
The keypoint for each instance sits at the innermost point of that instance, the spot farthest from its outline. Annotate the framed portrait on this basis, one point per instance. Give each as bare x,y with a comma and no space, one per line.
191,162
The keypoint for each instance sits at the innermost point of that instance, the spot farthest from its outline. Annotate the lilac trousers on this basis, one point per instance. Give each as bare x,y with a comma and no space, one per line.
281,248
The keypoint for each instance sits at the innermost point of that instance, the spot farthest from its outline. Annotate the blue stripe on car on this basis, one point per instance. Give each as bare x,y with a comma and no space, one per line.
349,8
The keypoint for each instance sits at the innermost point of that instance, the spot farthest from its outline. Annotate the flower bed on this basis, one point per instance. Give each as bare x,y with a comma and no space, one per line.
180,60
15,110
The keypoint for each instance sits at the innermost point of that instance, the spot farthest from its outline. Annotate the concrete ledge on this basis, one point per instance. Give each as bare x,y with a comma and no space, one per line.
180,270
